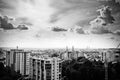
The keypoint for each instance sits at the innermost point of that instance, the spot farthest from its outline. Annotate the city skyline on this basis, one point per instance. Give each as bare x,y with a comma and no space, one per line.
57,24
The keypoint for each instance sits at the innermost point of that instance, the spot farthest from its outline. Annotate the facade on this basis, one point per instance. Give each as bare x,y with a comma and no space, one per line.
113,54
69,55
45,68
18,60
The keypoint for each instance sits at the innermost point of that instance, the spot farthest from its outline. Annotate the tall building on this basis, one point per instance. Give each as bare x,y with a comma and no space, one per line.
18,60
70,54
42,68
113,55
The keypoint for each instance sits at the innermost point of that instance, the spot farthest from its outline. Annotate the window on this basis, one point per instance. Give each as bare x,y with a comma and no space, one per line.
47,61
47,66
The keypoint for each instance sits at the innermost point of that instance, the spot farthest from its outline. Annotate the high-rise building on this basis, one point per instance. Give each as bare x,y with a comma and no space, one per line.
70,54
18,60
45,68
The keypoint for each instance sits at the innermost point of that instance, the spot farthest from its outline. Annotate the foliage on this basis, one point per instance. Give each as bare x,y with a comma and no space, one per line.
83,69
6,73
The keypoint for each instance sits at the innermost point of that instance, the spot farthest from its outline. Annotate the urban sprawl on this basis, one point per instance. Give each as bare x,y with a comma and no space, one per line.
61,64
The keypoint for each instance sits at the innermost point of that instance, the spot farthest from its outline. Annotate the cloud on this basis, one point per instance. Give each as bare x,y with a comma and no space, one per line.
27,23
105,16
24,20
115,37
114,4
7,8
84,8
4,5
77,29
100,24
72,6
37,35
100,30
117,32
58,29
22,27
68,12
4,23
30,12
80,31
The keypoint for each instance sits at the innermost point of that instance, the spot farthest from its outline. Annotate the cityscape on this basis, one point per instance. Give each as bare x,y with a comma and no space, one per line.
59,64
59,40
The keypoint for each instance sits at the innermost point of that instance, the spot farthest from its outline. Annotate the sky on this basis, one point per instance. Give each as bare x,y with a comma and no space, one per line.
60,23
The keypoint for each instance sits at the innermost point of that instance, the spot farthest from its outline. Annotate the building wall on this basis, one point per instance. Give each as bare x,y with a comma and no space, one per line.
18,60
45,69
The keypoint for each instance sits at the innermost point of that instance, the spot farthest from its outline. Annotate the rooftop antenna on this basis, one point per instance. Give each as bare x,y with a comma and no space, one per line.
66,48
17,47
73,48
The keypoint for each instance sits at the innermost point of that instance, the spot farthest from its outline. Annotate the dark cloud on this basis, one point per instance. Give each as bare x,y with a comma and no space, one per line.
100,24
103,21
4,23
105,16
58,29
114,4
115,12
22,27
68,7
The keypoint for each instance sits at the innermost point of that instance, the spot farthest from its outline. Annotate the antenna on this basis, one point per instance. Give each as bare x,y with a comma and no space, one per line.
66,48
73,48
17,47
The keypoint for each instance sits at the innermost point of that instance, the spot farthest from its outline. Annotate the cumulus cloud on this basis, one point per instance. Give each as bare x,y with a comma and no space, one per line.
22,27
4,24
85,8
80,31
77,29
105,16
29,12
114,4
58,29
100,24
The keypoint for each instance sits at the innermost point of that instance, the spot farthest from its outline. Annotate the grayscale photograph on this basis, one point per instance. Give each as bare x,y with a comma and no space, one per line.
59,39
